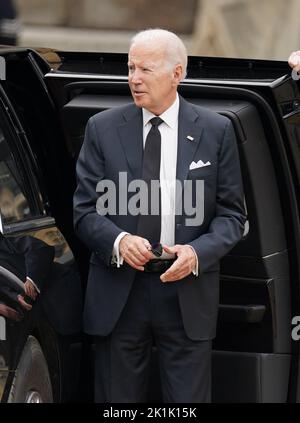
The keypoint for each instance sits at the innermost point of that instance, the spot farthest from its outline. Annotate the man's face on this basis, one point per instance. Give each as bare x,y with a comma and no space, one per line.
153,84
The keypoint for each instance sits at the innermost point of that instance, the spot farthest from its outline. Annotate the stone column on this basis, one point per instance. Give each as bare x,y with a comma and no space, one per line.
43,12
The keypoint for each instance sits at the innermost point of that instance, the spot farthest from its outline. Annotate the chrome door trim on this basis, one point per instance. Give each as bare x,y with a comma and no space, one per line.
26,225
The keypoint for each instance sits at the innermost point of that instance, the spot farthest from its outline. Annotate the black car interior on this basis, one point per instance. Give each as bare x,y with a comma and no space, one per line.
255,291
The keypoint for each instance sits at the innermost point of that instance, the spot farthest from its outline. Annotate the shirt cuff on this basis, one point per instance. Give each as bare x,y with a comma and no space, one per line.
116,256
195,271
36,288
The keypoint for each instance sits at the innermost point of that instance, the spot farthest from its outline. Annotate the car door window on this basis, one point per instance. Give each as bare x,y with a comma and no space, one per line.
13,203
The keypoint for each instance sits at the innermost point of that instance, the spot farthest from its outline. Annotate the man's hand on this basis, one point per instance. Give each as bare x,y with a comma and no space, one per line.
294,60
135,250
10,313
23,303
30,289
182,266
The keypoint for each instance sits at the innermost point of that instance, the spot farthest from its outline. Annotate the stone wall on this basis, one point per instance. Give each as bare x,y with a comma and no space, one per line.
235,28
176,15
42,12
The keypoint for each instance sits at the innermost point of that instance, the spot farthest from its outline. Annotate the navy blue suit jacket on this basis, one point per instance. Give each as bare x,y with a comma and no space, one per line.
114,143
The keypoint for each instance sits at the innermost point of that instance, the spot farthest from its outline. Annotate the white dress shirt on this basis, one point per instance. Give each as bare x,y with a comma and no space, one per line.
169,141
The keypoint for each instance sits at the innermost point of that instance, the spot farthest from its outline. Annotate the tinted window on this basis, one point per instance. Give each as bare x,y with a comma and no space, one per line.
13,203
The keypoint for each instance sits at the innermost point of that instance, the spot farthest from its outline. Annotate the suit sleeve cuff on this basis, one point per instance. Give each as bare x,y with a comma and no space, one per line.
195,271
116,256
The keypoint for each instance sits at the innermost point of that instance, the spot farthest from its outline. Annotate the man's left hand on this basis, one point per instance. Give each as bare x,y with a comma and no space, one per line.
182,266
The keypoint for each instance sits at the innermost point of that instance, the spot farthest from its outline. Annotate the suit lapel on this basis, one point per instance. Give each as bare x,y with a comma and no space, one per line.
131,136
189,135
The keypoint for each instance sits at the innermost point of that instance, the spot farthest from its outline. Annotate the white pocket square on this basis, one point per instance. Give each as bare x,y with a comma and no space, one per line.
200,163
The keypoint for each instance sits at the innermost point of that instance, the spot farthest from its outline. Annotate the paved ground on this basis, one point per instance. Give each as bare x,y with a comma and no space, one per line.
79,39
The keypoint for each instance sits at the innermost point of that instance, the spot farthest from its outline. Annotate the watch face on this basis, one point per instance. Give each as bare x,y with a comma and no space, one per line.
157,249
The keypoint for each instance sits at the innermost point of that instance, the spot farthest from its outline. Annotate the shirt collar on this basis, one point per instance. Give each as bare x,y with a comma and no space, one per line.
169,116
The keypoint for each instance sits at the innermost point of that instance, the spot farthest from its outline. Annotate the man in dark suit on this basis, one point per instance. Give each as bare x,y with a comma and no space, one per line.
136,296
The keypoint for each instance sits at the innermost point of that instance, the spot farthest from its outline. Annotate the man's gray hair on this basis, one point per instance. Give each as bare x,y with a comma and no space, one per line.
176,52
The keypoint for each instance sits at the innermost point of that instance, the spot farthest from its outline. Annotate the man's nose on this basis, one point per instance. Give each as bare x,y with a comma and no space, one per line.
135,77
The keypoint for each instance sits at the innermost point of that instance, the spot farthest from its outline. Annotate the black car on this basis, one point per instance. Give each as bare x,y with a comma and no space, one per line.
45,103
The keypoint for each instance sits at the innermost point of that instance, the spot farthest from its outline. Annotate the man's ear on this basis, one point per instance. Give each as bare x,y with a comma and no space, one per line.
177,74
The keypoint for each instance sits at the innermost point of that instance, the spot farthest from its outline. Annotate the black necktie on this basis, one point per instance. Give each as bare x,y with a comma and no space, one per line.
149,226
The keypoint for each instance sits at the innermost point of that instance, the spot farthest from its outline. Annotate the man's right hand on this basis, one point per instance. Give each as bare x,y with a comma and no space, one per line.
135,250
30,289
294,60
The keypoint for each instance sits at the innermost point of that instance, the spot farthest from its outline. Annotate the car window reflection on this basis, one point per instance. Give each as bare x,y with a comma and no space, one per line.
13,204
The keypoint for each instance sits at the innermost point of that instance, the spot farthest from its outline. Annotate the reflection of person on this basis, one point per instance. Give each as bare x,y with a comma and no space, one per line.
13,207
7,203
172,303
8,23
52,290
30,260
294,60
